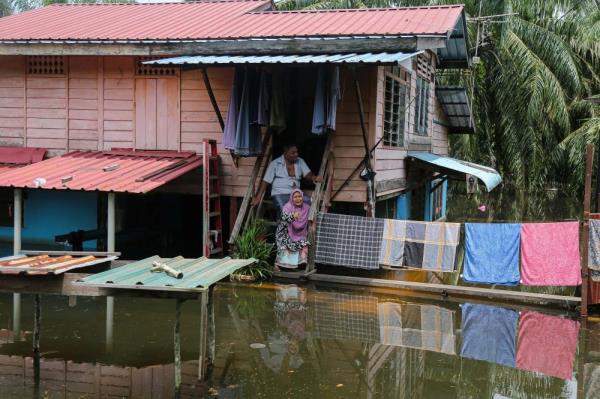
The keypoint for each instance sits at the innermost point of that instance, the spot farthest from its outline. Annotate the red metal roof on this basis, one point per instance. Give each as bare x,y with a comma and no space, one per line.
224,19
124,171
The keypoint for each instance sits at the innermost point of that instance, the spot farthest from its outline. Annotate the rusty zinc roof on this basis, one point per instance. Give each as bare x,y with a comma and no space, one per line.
120,170
224,19
46,264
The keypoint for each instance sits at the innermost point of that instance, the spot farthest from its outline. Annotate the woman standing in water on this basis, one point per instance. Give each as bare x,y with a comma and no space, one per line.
292,233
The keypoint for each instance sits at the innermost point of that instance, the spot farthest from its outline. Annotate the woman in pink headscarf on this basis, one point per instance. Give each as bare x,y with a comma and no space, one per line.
292,232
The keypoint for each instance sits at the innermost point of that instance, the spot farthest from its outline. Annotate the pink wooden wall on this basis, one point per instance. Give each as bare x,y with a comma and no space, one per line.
100,103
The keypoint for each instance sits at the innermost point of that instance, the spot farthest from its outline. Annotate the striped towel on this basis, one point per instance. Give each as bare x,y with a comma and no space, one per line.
392,247
431,245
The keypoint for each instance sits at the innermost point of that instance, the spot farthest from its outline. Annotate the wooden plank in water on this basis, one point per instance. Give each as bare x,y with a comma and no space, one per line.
443,289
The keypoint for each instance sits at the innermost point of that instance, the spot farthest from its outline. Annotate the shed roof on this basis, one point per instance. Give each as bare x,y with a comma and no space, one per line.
120,170
223,19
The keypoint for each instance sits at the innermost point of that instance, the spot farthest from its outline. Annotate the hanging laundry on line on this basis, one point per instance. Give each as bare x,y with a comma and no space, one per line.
594,250
350,241
431,245
550,254
492,253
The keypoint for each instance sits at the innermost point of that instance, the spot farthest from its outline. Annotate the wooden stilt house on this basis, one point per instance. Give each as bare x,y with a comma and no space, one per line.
157,79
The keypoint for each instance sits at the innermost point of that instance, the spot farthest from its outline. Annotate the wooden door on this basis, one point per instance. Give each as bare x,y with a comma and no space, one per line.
157,114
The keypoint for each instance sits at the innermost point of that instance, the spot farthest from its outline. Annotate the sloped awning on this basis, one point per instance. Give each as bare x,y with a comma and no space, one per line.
456,105
120,170
347,58
456,168
17,157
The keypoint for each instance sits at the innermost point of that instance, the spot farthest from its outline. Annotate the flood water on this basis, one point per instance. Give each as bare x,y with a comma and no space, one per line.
288,341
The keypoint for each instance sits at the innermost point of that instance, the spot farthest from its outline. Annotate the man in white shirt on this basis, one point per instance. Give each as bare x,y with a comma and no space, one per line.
284,175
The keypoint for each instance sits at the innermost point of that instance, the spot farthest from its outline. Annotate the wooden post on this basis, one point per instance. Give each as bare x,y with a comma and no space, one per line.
37,324
110,317
211,96
365,134
589,161
203,335
17,220
206,198
177,347
110,247
16,313
211,345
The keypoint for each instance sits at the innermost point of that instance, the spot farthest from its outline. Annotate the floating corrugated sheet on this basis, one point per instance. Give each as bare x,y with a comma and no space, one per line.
45,264
125,171
349,58
456,105
198,274
220,20
451,166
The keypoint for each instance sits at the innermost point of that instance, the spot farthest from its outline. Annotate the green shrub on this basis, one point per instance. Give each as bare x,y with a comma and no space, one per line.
252,243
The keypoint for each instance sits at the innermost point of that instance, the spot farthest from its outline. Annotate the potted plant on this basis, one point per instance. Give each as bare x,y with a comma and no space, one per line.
252,243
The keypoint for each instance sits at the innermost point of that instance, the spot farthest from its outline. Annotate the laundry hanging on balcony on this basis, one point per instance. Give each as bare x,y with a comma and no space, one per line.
327,95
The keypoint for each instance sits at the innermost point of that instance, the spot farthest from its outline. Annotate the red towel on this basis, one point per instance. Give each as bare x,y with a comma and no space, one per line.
550,254
547,344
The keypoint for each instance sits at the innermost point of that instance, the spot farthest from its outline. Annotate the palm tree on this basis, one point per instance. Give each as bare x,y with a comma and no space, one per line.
532,89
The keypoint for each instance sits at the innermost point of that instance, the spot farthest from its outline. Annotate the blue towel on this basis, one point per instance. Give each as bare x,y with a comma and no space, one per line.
489,333
492,253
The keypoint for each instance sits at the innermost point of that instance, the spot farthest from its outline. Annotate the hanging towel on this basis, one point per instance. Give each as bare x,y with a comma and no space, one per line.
426,327
550,254
489,333
547,344
392,247
594,250
327,95
350,241
233,110
431,245
492,253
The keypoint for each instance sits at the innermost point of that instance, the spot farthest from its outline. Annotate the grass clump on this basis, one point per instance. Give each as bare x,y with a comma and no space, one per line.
252,243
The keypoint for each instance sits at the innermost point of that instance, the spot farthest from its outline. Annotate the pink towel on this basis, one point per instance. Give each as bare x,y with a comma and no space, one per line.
550,254
547,344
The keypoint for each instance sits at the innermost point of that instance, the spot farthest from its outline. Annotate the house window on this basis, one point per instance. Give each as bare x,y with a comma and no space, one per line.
422,107
435,205
394,110
142,69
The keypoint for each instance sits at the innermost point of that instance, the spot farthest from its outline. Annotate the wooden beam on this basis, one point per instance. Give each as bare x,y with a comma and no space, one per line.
255,47
211,96
587,199
445,290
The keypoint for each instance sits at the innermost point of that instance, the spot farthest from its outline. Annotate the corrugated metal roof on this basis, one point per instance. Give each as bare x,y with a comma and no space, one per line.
125,171
455,103
46,264
352,58
226,19
21,155
488,176
198,274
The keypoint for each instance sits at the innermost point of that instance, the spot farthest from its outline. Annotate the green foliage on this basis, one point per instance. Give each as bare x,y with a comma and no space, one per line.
252,243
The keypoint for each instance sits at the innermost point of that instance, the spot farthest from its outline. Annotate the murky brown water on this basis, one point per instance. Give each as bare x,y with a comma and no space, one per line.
285,341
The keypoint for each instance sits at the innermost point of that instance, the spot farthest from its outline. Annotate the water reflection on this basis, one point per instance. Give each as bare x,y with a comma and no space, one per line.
294,341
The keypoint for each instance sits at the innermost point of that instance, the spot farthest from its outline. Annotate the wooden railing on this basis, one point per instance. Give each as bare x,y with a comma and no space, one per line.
320,200
246,213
